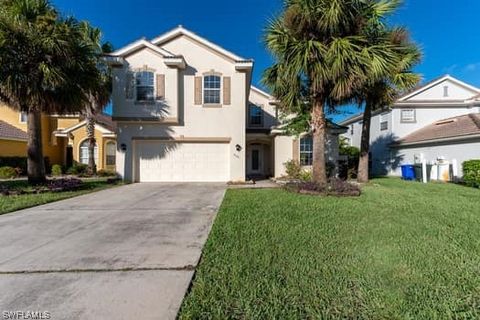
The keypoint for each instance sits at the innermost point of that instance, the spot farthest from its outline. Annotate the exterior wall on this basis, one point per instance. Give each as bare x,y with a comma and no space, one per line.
12,117
460,151
195,121
79,136
10,148
455,92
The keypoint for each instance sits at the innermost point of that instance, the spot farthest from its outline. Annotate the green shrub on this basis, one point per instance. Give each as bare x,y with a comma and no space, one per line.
57,170
106,173
7,173
471,173
293,169
14,162
77,169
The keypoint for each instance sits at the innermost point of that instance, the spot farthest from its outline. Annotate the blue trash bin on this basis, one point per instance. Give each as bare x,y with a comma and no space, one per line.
408,172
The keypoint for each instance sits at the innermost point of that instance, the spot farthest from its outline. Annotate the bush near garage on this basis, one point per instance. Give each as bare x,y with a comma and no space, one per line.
7,172
471,173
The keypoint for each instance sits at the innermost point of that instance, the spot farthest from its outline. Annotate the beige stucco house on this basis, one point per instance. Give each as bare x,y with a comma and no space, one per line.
186,111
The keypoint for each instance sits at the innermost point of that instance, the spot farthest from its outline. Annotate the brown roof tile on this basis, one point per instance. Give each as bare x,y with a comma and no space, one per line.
9,132
448,128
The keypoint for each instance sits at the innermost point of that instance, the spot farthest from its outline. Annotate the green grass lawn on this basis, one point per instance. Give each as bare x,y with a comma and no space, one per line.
400,251
13,203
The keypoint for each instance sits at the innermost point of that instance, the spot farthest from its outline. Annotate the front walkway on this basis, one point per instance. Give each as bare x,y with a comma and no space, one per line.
123,253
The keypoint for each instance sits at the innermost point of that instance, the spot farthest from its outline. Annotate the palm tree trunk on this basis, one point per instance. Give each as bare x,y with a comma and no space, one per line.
92,167
319,172
35,161
363,173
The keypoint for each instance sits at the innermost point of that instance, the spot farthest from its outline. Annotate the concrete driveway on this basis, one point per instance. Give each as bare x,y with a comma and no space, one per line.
123,253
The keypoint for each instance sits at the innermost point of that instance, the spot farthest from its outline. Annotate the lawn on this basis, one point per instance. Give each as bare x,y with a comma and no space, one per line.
13,203
400,251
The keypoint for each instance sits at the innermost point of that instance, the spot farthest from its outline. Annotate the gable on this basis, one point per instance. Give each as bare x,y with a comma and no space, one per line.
446,89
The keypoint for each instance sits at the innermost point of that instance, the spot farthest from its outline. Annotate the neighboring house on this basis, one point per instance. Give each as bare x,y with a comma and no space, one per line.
63,138
436,121
186,111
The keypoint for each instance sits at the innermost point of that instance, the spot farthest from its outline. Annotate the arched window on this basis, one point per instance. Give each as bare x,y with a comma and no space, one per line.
145,86
211,89
110,153
84,152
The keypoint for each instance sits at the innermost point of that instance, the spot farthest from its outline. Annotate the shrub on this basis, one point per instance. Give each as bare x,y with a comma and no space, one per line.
471,173
106,173
293,169
77,169
57,170
14,162
334,187
7,173
68,184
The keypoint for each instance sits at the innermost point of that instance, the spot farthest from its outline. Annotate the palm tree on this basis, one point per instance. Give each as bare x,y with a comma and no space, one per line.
45,66
322,56
99,95
383,91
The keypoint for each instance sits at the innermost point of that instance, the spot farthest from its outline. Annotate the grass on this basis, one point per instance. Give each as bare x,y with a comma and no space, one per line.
400,251
13,203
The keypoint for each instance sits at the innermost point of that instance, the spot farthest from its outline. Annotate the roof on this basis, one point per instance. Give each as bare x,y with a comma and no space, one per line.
456,127
9,132
141,43
104,123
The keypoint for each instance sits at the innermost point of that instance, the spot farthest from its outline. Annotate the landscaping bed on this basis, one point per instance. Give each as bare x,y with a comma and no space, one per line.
401,250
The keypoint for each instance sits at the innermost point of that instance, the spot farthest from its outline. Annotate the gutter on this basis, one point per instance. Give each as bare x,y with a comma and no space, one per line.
423,142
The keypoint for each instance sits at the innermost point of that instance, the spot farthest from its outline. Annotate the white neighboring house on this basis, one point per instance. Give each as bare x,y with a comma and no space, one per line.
186,111
432,122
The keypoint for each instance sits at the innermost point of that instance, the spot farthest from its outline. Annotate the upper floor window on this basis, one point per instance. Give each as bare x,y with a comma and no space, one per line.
145,86
407,115
23,117
211,89
384,122
351,129
256,115
306,151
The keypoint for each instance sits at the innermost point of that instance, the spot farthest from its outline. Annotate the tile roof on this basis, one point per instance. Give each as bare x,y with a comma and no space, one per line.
448,128
9,132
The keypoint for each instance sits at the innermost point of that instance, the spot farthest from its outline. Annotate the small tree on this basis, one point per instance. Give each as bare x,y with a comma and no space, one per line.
45,67
322,55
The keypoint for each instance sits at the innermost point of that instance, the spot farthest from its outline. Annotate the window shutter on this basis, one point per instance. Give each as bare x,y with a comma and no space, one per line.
227,84
129,85
198,90
160,87
296,150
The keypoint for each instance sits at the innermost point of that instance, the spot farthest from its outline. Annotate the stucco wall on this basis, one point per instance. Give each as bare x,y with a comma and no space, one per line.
196,121
269,111
9,148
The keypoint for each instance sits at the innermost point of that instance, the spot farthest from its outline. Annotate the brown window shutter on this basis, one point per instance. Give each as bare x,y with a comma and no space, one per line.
198,90
160,87
227,89
296,150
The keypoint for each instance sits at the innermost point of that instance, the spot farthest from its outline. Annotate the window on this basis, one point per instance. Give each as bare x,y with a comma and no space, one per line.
306,151
84,152
145,86
211,89
23,117
384,122
408,115
351,129
256,115
110,151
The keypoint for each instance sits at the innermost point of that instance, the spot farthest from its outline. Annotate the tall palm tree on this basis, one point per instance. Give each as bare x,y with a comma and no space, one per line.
322,56
383,91
45,64
99,95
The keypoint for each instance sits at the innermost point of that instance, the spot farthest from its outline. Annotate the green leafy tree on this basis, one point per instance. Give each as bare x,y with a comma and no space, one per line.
45,67
322,56
380,92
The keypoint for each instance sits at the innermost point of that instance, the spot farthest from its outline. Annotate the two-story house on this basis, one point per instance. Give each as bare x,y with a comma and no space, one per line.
439,120
186,111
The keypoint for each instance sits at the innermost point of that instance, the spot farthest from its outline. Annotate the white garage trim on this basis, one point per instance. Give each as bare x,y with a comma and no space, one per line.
181,159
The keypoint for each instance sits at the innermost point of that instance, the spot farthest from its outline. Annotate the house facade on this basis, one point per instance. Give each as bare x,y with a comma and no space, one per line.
435,122
186,111
64,138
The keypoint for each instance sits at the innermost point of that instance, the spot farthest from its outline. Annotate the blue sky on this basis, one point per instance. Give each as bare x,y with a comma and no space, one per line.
446,31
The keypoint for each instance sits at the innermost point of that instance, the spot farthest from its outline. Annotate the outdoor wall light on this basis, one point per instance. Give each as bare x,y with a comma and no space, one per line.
123,147
238,147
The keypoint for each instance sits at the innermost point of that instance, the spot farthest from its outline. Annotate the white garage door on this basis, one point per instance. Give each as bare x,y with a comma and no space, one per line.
175,162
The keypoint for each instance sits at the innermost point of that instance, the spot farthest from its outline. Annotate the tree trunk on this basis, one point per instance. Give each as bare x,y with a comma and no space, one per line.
319,124
363,172
35,161
92,167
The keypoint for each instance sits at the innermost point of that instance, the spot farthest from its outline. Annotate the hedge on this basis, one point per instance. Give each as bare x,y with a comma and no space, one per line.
471,173
21,163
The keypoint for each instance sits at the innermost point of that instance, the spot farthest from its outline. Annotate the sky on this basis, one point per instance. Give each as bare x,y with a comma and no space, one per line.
446,30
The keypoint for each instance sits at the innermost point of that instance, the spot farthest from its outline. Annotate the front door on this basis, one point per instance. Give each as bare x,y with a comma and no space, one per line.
256,160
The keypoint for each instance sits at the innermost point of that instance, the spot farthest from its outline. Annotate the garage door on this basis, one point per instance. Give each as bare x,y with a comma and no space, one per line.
189,162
